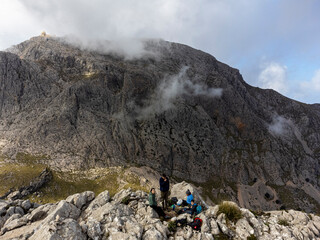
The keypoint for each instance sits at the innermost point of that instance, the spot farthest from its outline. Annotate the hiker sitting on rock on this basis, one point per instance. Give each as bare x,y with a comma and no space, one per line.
153,203
164,188
191,210
189,199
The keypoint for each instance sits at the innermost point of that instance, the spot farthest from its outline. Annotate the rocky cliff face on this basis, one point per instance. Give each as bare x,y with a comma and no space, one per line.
128,216
176,109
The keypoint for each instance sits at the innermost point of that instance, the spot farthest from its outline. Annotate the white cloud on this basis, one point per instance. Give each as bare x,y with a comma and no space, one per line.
170,89
280,125
129,48
313,84
16,23
273,76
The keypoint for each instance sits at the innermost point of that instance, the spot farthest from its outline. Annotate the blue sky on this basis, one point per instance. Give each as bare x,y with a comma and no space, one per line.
274,43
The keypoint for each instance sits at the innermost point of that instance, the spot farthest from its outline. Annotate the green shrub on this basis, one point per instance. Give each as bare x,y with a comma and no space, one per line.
231,211
283,222
125,200
252,237
172,226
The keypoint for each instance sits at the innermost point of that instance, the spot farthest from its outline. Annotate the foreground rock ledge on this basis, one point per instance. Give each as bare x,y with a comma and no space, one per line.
84,216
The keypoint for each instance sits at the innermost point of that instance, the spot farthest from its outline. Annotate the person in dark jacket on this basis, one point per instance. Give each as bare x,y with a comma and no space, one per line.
153,203
191,210
164,188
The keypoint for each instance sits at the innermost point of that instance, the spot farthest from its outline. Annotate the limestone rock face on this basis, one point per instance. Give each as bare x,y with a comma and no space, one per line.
110,219
178,110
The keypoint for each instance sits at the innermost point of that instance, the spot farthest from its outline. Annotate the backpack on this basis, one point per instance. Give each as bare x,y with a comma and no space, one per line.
181,222
196,224
198,210
174,200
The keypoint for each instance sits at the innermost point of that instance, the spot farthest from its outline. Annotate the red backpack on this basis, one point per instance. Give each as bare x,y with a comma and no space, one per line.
196,224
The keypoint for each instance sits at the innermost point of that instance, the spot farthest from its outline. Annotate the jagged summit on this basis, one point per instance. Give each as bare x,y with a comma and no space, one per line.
167,106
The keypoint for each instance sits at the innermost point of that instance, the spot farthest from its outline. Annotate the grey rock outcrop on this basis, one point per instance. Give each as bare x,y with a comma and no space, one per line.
104,218
80,109
36,183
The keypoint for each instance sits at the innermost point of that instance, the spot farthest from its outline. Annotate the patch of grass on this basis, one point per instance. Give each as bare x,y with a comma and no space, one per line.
283,222
231,211
64,184
16,175
125,200
252,237
172,226
133,182
221,236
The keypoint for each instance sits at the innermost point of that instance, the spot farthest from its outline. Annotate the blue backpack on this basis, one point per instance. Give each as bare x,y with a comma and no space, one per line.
198,210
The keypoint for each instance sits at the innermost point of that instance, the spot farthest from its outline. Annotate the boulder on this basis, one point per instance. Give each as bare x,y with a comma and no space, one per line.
123,194
3,207
243,229
26,205
15,221
63,210
14,195
214,227
81,199
66,229
206,227
70,229
99,201
41,212
222,223
11,211
94,230
134,228
19,210
178,190
152,234
109,211
212,211
120,236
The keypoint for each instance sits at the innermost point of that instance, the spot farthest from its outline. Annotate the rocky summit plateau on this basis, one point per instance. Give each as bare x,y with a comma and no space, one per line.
173,108
127,216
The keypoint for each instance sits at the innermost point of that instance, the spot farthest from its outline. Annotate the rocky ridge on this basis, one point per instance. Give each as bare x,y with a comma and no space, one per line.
178,110
86,216
36,184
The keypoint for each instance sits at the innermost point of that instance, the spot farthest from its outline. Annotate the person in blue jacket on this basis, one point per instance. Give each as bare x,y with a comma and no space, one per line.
189,199
164,188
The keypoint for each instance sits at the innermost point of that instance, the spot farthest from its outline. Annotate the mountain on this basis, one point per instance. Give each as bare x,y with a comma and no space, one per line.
175,109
